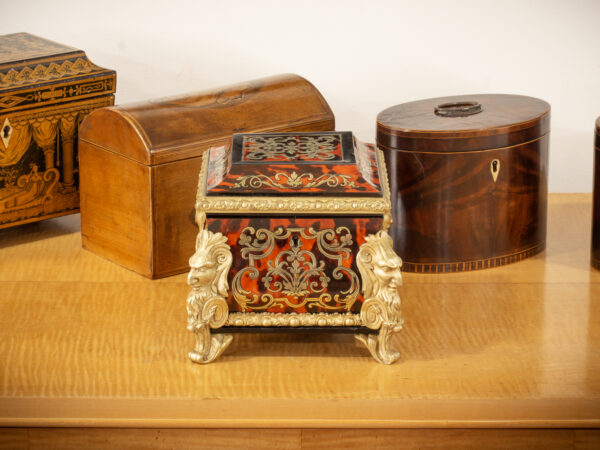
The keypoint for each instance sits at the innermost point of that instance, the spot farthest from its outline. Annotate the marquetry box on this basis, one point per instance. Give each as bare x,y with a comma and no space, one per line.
468,180
139,164
292,236
596,212
46,89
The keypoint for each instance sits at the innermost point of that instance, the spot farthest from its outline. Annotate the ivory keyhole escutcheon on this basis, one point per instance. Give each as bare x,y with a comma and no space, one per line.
6,132
495,169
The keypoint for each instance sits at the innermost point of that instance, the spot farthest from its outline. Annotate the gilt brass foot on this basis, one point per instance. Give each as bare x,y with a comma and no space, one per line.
378,346
216,346
206,305
379,268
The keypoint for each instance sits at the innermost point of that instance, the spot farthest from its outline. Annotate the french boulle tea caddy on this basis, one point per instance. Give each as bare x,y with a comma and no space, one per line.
468,180
293,236
46,89
596,213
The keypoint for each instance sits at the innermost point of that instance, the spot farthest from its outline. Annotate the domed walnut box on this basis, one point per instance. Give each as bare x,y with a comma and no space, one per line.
139,164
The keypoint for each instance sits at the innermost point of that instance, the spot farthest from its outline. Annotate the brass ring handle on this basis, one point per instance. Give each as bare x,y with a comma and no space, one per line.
458,109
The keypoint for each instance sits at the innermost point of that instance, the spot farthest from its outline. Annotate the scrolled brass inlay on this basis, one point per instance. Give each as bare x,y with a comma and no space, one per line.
283,180
295,273
291,148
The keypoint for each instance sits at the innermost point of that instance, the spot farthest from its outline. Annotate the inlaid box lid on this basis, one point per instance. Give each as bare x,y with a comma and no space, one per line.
324,172
37,72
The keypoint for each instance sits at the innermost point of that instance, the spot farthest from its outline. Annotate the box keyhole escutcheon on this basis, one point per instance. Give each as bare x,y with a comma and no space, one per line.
6,132
495,168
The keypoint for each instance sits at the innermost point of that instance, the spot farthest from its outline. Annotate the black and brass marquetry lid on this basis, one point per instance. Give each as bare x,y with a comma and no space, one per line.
328,172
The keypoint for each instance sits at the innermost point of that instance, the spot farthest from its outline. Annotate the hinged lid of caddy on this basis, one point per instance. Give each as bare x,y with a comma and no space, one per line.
172,129
463,123
292,231
290,164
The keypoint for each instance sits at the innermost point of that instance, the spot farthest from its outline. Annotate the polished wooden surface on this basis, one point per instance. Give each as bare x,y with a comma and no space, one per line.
85,342
166,139
468,192
293,439
505,120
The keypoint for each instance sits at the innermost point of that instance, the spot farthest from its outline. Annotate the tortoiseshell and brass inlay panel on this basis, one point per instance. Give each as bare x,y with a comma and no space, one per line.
302,265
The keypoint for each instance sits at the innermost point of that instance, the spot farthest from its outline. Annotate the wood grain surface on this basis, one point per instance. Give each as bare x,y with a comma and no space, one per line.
151,153
505,120
169,438
467,192
86,343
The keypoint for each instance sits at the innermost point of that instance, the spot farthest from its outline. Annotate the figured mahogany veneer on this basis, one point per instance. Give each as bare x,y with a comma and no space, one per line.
468,192
596,214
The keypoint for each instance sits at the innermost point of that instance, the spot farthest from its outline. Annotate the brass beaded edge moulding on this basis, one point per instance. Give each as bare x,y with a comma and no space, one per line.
378,264
330,205
293,320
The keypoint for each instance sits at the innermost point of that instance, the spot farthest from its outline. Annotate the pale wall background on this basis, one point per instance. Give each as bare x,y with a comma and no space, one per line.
362,55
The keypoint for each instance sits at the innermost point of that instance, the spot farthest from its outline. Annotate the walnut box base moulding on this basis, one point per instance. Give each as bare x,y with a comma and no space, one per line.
46,89
139,164
468,180
293,236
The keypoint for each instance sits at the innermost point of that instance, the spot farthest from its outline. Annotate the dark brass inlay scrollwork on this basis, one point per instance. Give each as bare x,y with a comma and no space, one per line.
296,277
292,148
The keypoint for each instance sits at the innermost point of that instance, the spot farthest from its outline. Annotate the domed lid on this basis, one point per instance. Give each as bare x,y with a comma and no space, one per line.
463,123
598,125
172,129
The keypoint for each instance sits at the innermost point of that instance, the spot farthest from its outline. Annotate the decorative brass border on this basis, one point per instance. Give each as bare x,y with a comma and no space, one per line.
293,320
291,205
285,180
